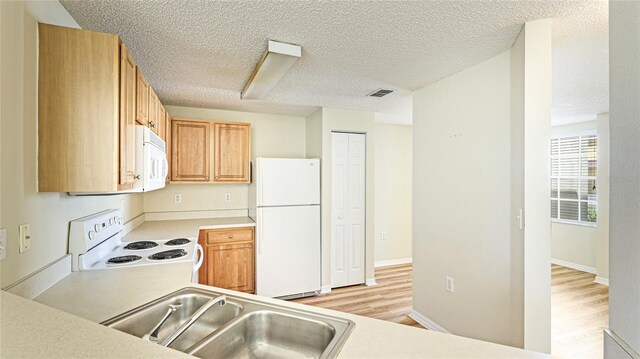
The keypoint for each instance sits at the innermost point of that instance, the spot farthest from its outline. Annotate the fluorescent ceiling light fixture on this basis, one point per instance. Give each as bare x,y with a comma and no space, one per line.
274,64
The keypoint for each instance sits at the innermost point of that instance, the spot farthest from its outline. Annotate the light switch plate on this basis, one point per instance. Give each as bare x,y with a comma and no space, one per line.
25,237
3,243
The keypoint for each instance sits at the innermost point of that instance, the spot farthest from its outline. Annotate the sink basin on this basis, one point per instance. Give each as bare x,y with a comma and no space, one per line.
141,320
267,334
243,328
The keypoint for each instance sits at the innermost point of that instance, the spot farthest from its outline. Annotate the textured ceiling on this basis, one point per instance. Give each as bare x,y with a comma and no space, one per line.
581,64
201,53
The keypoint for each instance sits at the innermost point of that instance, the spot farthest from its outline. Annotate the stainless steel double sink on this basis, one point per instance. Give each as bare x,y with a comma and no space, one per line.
242,328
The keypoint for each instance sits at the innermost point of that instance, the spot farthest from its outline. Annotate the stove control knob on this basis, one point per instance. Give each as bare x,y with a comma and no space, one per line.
119,219
97,227
92,235
112,221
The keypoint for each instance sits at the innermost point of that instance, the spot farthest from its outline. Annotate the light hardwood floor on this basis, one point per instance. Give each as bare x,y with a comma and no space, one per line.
579,307
390,299
579,313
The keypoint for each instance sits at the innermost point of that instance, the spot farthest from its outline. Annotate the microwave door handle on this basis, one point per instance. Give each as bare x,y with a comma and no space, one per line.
165,165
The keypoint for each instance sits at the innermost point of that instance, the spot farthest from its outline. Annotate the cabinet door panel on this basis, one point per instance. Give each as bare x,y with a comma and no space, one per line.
142,99
161,121
231,266
190,151
127,118
153,111
167,129
232,152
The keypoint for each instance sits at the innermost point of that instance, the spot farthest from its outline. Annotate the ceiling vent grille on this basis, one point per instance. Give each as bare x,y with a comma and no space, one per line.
380,93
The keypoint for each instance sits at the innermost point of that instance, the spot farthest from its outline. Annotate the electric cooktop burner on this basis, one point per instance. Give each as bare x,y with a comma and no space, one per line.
170,254
124,259
177,242
141,245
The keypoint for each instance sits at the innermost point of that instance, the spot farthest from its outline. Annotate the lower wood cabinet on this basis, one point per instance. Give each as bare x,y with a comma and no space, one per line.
228,258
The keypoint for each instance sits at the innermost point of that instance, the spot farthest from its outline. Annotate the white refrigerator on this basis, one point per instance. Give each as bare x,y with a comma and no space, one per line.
285,196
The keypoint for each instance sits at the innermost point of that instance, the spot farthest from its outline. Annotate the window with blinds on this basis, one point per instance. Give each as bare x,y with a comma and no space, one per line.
573,179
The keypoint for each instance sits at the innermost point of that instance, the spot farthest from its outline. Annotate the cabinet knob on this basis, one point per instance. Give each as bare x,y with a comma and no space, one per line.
230,236
152,124
136,177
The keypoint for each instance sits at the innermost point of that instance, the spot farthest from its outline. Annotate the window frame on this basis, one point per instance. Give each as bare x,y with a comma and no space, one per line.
578,222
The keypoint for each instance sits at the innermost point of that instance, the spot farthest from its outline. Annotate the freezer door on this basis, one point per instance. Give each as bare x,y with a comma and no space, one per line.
288,250
287,181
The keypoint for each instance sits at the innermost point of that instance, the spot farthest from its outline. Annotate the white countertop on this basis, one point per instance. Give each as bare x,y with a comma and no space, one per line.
120,290
31,329
183,228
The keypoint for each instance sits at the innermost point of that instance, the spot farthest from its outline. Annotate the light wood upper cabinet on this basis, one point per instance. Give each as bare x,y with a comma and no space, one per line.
228,258
127,119
190,151
232,152
162,118
142,99
167,129
229,152
154,111
91,94
78,110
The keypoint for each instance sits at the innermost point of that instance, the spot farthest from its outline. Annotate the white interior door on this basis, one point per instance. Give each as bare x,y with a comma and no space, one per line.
348,209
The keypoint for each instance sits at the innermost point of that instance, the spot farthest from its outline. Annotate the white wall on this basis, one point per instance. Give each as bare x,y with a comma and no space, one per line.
575,244
271,136
393,177
48,213
624,232
602,233
481,152
537,229
462,204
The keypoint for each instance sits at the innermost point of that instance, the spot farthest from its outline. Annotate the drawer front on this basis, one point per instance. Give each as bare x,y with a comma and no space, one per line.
229,235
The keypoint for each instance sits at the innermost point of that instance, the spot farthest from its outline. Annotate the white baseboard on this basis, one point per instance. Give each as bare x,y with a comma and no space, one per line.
601,280
325,289
575,266
392,262
370,282
426,322
170,216
35,284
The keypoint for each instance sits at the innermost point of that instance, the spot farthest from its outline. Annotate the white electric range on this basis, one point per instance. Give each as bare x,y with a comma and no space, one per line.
95,242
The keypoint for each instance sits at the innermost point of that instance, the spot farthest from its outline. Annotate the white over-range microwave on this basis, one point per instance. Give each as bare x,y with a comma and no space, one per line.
151,153
151,164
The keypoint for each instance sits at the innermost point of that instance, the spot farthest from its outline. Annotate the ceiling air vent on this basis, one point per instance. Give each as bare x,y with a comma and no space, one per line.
380,93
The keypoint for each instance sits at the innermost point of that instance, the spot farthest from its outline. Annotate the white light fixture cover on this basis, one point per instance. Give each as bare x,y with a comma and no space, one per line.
278,59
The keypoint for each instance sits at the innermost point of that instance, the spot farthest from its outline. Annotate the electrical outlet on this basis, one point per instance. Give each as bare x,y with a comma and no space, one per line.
3,243
25,237
177,198
227,197
449,285
384,236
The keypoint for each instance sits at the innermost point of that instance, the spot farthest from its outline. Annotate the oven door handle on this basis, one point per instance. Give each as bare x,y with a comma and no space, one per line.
200,252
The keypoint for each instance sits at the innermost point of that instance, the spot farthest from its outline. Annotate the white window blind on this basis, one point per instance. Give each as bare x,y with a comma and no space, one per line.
574,196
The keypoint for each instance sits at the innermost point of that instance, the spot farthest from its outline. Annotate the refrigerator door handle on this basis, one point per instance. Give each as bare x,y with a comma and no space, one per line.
260,232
